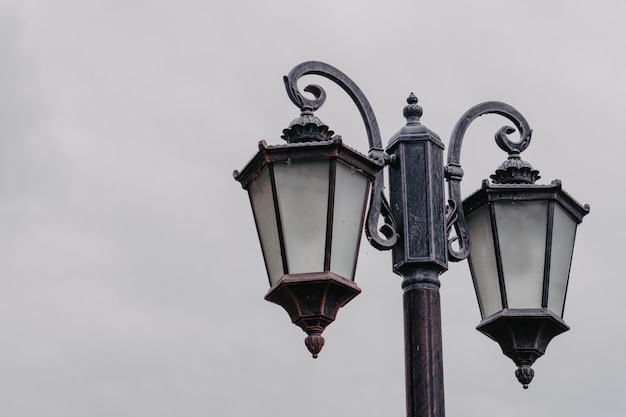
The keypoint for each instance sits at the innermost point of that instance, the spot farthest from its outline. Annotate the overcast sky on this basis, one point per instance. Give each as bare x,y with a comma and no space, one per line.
131,277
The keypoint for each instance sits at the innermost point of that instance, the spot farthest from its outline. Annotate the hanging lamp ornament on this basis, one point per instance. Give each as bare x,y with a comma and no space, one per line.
522,240
308,198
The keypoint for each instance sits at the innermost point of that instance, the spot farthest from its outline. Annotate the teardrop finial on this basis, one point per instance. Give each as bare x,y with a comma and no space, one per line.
412,111
307,128
314,342
524,374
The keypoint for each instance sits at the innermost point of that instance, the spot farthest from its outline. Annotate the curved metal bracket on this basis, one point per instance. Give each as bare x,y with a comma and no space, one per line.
378,204
454,173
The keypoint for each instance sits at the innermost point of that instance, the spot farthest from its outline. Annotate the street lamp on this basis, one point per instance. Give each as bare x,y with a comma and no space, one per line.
308,199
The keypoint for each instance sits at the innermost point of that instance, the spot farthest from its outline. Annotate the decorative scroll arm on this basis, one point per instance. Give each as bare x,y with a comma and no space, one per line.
378,203
342,80
379,206
454,173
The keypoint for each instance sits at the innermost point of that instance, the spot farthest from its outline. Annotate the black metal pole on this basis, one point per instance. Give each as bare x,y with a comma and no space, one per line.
423,344
416,184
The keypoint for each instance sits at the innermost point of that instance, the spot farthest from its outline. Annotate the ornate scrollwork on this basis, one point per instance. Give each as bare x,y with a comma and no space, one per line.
382,238
379,206
302,102
454,172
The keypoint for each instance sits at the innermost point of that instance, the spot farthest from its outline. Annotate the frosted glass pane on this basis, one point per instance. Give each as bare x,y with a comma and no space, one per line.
522,229
302,191
261,198
563,235
351,188
483,262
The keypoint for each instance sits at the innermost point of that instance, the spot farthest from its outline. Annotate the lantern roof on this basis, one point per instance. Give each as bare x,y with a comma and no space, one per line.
525,192
305,150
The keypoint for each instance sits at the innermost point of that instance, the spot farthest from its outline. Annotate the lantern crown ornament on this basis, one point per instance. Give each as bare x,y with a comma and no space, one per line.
307,128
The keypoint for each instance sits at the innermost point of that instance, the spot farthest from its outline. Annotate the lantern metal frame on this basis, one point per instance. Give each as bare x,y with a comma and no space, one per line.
312,300
553,193
523,333
422,231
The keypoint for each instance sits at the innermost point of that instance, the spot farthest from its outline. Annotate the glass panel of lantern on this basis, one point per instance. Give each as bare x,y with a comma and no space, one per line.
522,240
309,204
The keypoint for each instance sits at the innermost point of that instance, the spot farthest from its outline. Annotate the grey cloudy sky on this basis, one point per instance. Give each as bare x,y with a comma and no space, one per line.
131,278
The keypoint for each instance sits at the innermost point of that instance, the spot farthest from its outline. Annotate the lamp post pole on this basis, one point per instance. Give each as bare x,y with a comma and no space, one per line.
417,201
422,344
521,310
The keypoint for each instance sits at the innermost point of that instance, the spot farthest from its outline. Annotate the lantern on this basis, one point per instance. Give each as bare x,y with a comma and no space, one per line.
308,199
522,240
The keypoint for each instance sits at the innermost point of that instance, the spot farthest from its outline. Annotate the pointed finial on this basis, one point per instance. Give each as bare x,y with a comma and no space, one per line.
314,342
524,374
412,111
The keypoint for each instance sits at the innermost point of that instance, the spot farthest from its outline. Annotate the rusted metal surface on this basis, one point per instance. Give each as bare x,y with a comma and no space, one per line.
312,301
423,344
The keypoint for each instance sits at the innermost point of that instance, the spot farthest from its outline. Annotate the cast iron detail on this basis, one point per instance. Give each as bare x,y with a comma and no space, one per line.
523,335
307,128
417,196
385,236
313,301
412,111
524,374
514,170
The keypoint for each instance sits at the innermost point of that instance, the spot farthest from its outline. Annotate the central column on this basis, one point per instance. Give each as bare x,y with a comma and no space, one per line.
416,182
423,345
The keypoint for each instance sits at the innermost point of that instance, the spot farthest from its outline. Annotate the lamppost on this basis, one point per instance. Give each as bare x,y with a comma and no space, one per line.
309,200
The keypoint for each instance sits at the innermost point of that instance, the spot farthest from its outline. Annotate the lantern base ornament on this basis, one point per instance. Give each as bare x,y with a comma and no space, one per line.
523,335
313,301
